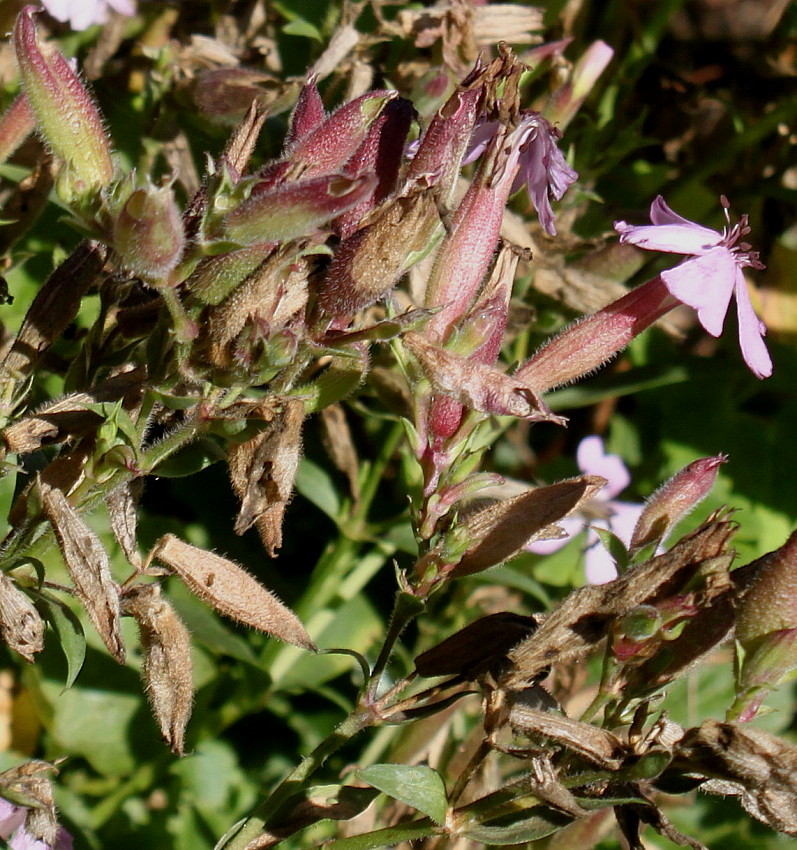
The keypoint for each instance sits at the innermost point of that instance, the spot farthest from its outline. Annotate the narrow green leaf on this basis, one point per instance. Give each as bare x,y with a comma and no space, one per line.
417,786
69,631
302,28
517,828
384,837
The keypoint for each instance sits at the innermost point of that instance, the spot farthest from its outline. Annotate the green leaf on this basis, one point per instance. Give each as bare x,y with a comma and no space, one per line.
518,827
190,459
317,487
417,786
69,631
614,546
302,28
384,837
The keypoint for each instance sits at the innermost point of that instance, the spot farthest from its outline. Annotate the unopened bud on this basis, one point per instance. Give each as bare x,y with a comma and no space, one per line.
443,145
148,233
65,112
674,499
381,154
295,209
586,72
307,115
327,148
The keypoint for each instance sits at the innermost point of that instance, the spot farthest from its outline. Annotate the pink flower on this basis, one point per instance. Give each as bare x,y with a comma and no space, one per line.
713,273
82,14
602,512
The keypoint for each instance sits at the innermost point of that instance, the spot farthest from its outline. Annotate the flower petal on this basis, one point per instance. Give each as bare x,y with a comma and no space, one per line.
686,238
705,284
662,213
571,525
593,460
751,331
624,519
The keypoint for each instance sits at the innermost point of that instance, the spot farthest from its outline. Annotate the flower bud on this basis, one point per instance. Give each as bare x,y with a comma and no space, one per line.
465,256
674,499
148,233
327,148
590,342
566,102
307,115
443,145
65,112
381,154
295,209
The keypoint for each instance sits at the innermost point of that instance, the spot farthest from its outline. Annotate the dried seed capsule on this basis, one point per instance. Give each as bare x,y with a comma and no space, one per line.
231,590
167,667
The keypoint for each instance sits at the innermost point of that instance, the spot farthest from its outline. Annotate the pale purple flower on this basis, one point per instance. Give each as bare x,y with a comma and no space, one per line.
713,273
543,168
81,14
601,512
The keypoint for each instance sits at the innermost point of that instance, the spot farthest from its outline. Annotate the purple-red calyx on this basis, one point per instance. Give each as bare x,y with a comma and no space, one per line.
712,274
674,499
65,112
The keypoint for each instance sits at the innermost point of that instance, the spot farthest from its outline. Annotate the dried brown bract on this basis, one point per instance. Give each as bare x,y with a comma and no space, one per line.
231,590
88,566
583,619
21,625
168,667
121,505
263,470
500,531
749,763
480,647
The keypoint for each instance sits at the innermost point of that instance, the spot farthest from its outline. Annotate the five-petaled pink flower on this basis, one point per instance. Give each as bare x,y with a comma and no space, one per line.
601,512
713,273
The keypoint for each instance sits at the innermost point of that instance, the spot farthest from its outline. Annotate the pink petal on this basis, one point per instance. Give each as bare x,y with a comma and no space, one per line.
751,331
571,525
661,213
123,7
705,284
673,238
592,460
624,519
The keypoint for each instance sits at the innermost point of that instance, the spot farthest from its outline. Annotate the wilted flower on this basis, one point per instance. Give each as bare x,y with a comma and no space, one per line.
707,280
601,512
82,14
542,168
